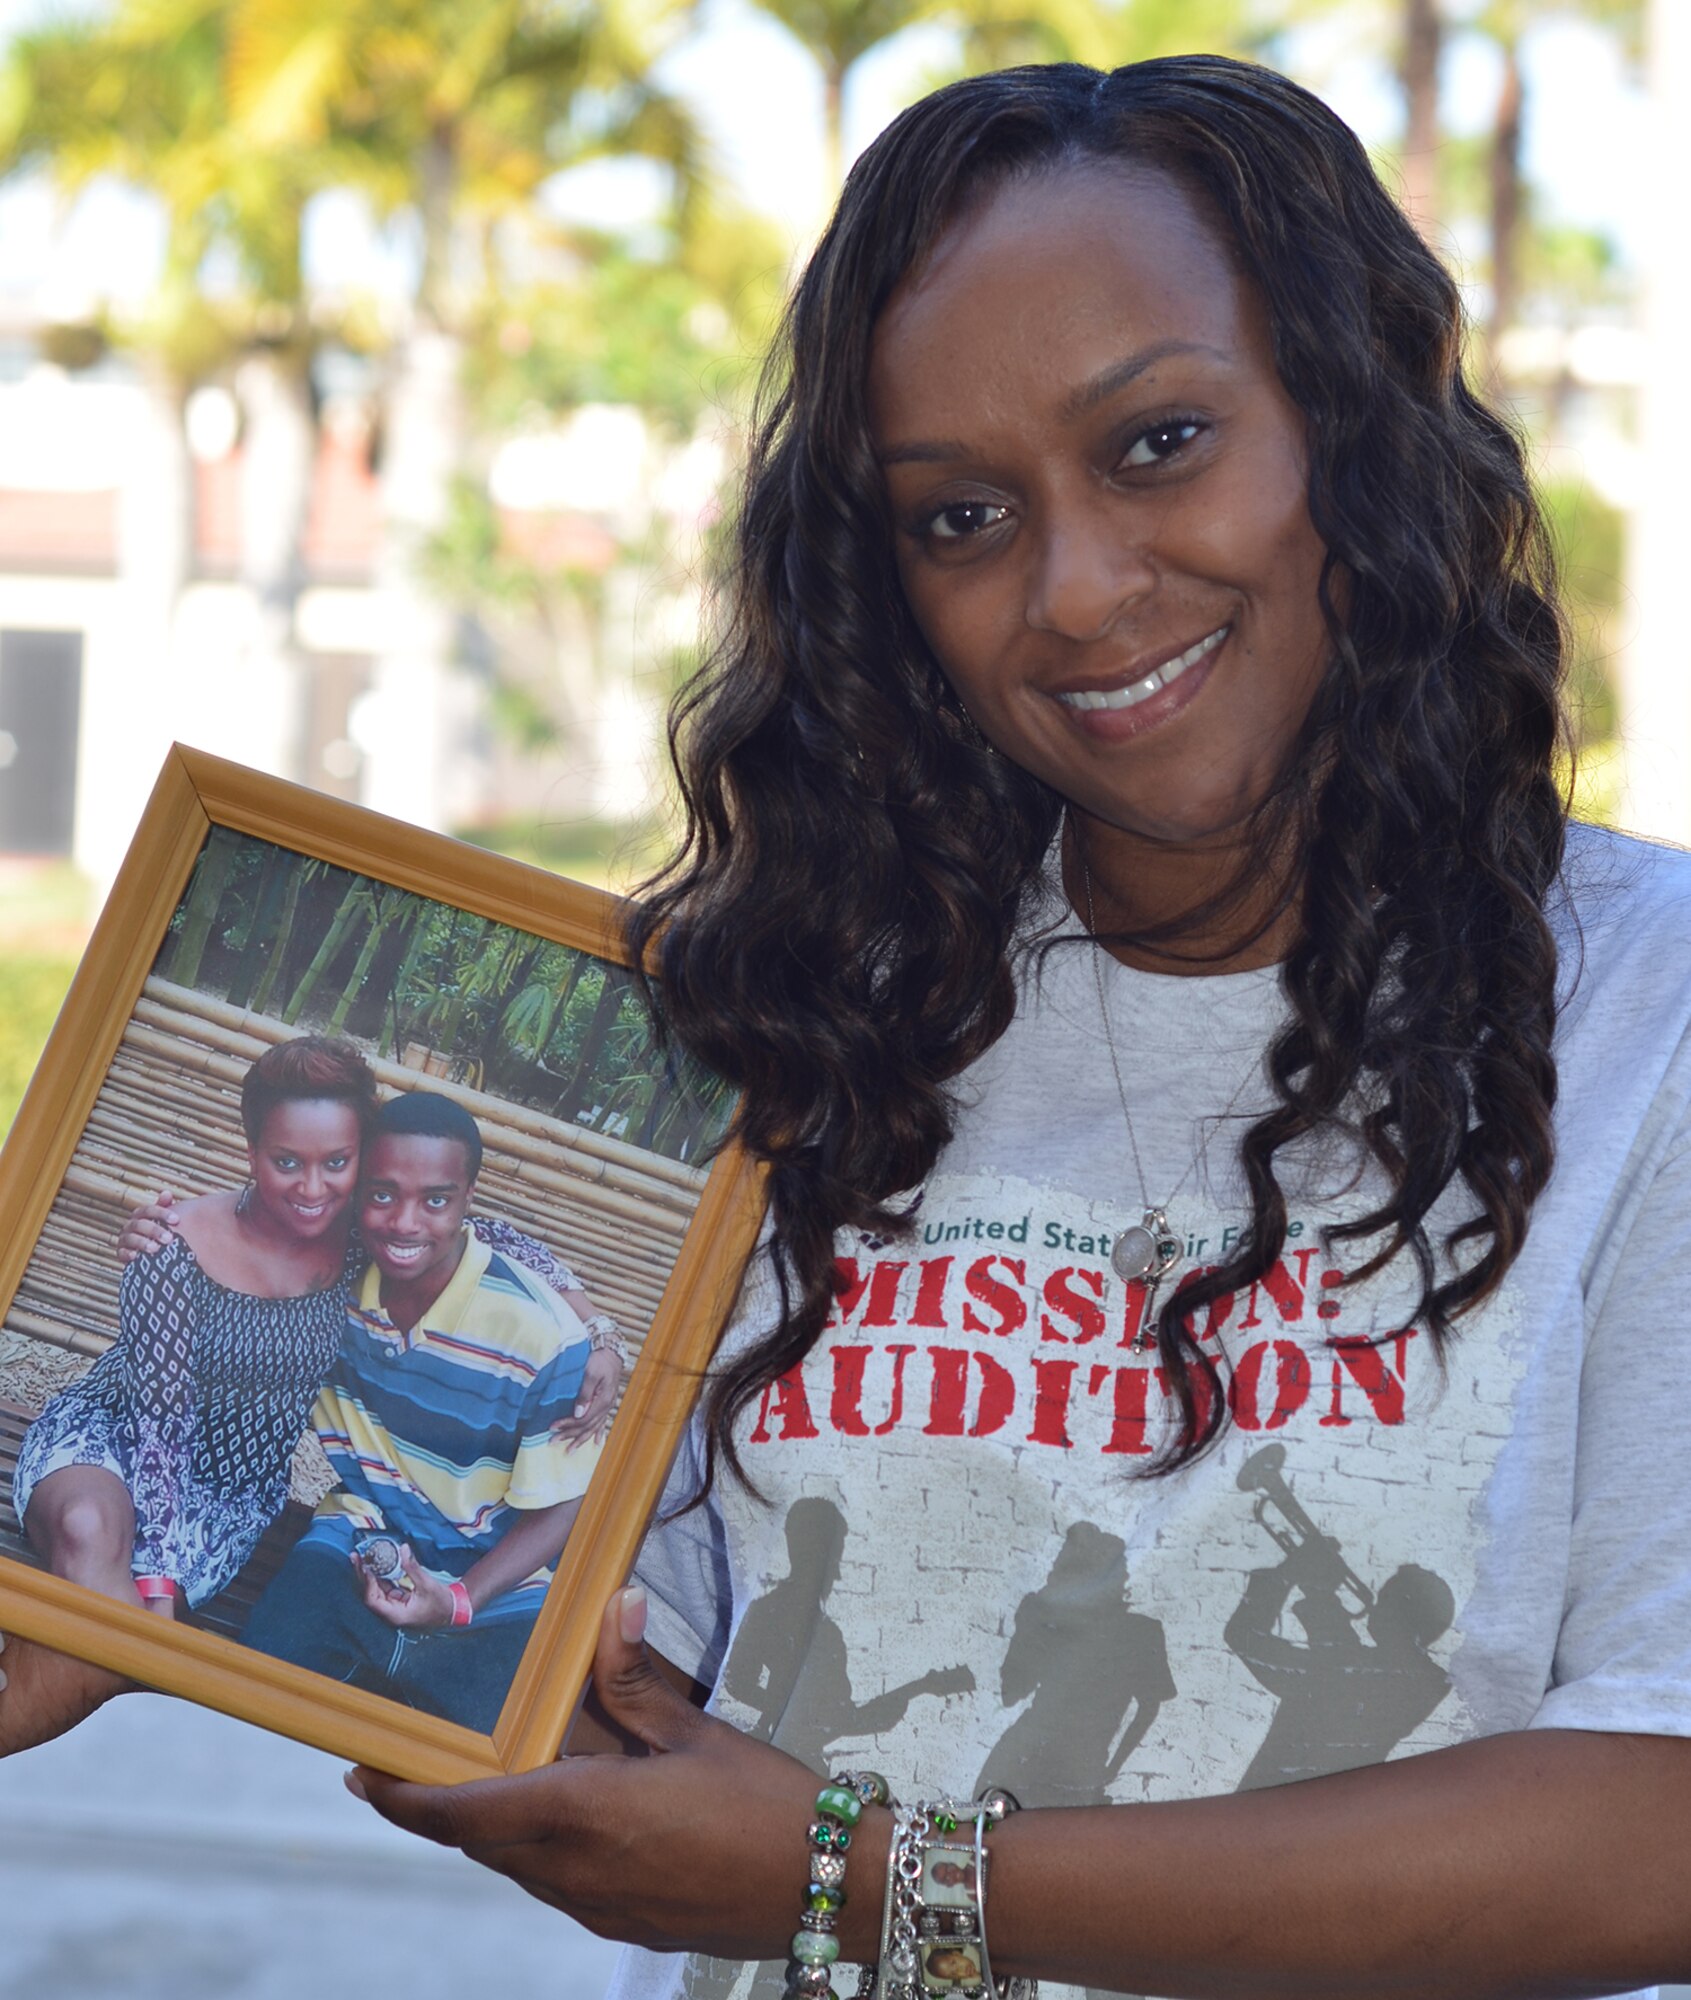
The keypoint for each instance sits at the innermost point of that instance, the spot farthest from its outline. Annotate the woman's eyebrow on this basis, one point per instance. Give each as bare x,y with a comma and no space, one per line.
1102,386
939,451
1119,373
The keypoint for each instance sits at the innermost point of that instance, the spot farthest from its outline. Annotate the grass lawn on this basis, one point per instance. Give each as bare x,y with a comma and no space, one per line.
31,988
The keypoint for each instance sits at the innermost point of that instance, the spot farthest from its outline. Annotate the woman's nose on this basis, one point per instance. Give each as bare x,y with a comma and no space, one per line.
1089,571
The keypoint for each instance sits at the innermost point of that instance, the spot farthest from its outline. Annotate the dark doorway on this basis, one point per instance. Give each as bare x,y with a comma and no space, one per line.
40,707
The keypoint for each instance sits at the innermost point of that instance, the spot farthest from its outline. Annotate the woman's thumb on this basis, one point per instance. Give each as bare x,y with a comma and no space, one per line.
629,1686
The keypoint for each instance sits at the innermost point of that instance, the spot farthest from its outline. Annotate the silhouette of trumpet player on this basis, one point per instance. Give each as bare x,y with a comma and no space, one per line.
1361,1676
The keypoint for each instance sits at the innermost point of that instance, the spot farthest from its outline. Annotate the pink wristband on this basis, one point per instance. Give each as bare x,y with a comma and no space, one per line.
463,1611
147,1588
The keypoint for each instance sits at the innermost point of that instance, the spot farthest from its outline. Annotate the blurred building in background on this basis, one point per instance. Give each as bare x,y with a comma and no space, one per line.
97,677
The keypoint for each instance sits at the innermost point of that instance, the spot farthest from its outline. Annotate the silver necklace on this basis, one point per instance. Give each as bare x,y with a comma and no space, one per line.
1147,1250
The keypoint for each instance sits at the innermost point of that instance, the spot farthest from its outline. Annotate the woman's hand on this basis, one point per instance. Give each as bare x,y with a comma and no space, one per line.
149,1229
43,1693
698,1846
599,1384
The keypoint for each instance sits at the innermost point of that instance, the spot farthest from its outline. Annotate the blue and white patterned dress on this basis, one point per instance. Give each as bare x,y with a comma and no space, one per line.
199,1403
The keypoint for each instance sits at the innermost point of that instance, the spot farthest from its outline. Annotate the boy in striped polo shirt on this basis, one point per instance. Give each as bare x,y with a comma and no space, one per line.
438,1417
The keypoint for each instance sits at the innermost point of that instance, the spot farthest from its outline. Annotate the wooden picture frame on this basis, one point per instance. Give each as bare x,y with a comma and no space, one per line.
121,1016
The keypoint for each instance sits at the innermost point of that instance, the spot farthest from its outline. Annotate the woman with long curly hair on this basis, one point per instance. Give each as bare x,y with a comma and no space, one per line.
1229,1138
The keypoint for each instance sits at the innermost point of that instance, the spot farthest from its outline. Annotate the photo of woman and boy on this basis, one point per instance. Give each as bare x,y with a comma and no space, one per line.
348,1330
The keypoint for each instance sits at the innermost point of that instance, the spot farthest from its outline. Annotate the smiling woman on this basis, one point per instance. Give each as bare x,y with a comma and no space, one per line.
1126,878
122,1483
1102,512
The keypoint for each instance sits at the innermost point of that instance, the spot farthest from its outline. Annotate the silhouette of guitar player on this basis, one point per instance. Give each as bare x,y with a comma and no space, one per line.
789,1664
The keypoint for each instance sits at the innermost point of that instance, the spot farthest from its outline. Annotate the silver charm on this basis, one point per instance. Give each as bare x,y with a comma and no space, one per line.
1148,1251
1145,1254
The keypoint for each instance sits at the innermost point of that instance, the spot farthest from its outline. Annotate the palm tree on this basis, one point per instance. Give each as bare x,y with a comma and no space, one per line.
453,114
141,95
1507,23
994,34
1420,51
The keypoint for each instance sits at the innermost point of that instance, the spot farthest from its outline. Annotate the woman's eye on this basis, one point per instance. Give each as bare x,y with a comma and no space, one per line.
967,517
285,1163
1160,442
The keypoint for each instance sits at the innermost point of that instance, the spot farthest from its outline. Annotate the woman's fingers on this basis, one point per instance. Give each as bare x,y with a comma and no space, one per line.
630,1688
594,1835
486,1814
43,1693
594,1402
503,1811
149,1229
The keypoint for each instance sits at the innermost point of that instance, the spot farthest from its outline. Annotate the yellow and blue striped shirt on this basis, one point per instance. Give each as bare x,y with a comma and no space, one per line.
443,1434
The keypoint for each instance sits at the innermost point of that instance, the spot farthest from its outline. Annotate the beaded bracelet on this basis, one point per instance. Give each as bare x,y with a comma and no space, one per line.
816,1945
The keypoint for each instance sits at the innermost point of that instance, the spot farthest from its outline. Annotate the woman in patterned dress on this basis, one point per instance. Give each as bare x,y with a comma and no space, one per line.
157,1472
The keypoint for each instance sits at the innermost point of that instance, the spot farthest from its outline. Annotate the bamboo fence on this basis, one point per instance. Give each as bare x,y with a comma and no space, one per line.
168,1117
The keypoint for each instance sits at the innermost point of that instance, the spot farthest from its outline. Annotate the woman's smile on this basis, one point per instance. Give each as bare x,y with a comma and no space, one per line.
1146,693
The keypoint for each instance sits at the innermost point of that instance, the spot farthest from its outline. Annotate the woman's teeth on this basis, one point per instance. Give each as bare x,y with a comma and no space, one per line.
1142,690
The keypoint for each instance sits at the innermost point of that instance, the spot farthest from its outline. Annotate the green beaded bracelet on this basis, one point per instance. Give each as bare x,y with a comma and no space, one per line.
815,1947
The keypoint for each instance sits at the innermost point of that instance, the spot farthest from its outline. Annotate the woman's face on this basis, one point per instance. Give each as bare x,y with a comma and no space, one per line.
1099,494
305,1164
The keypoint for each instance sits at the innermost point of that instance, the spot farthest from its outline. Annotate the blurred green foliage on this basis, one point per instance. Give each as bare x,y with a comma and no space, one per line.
608,854
31,990
1591,543
630,333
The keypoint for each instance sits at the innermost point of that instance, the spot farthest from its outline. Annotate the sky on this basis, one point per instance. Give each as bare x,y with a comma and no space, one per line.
759,100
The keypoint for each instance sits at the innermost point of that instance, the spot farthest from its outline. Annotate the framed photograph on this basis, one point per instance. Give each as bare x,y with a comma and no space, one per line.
365,1253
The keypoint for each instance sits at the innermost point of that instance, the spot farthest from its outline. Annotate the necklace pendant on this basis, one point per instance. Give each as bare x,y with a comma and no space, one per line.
1145,1254
1148,1251
1145,1340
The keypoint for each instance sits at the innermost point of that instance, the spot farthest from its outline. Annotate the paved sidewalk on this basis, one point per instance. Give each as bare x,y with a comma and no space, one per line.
162,1852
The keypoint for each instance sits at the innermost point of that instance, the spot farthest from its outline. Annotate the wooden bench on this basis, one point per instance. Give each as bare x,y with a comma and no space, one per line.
229,1610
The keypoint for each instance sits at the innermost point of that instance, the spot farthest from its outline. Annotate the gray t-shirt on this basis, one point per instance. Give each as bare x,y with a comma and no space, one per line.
958,1580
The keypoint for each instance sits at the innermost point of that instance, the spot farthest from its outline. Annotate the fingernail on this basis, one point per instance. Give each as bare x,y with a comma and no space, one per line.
2,1680
631,1614
355,1785
581,1409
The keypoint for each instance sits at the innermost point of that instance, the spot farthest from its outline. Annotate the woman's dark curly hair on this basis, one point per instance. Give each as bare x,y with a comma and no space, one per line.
838,932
